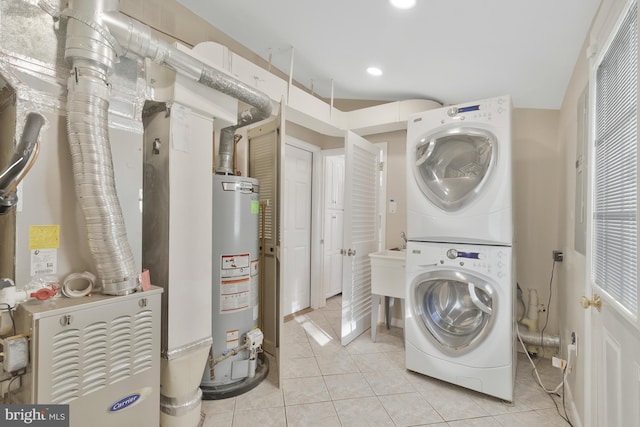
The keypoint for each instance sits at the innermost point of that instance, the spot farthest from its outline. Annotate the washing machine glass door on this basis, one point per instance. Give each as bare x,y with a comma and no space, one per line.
452,166
455,308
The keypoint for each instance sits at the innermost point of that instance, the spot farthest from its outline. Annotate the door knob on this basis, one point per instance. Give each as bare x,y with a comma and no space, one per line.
595,302
351,252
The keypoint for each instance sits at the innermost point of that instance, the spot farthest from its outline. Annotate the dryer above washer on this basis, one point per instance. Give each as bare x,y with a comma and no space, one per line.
459,173
452,165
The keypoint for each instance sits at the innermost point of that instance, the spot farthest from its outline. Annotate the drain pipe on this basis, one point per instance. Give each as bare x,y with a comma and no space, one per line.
136,37
531,319
528,327
24,156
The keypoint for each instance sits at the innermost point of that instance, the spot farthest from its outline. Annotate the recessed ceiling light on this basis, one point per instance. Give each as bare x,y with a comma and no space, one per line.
403,4
374,71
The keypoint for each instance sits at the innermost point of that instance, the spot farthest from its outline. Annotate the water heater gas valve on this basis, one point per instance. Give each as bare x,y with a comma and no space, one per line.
254,339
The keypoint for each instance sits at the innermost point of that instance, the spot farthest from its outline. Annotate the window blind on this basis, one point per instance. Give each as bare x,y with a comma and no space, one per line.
615,249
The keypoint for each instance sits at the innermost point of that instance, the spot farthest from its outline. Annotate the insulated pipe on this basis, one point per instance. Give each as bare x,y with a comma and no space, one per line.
136,37
24,155
92,57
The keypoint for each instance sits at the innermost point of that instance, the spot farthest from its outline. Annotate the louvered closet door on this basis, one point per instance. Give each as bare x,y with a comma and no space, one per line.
264,161
361,228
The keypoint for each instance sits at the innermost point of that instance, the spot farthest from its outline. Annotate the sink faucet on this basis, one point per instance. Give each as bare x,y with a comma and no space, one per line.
404,238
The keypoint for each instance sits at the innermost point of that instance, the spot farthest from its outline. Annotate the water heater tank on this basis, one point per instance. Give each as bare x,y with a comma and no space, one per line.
236,208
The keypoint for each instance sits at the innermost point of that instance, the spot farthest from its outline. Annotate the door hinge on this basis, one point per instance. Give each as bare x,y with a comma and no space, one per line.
381,166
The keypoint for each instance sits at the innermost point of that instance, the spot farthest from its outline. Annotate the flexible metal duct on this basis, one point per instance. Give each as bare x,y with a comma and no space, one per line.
135,37
92,57
537,339
24,156
92,50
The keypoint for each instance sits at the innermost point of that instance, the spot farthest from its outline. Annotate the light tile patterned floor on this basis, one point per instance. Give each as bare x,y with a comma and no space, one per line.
365,384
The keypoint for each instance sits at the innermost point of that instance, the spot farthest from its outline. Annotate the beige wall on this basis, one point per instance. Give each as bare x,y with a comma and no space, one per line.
323,141
537,184
571,277
396,184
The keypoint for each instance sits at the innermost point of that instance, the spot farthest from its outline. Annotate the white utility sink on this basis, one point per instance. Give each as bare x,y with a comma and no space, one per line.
387,272
387,280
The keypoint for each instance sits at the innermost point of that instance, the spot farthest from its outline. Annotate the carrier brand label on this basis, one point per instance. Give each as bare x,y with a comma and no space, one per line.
130,400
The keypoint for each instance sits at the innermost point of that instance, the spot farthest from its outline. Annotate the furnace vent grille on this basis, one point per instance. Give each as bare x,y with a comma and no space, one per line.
66,366
99,354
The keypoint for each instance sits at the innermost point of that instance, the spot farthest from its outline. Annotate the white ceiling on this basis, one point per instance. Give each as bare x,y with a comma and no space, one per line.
450,51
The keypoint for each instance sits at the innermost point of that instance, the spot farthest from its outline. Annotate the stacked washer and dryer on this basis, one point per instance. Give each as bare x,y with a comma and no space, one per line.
460,290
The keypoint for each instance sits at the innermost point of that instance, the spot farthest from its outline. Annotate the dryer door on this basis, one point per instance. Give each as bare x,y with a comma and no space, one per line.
452,166
456,309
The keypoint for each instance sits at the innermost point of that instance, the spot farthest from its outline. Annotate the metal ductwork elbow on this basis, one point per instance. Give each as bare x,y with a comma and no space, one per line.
136,38
24,156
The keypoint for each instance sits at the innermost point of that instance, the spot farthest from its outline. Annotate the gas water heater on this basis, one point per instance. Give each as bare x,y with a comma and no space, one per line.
236,340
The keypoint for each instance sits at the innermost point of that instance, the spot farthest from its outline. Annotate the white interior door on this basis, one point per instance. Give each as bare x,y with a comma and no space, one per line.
361,237
297,229
612,292
333,223
615,361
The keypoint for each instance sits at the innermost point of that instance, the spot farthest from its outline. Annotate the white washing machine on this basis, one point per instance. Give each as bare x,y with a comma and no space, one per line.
459,173
460,315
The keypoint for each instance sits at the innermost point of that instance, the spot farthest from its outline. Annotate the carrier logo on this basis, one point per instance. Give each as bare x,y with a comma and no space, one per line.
130,400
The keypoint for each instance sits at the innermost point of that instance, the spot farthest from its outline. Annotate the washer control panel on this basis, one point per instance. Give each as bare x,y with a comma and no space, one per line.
490,260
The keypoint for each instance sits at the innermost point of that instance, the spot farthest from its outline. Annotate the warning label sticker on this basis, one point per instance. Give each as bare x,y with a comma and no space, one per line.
235,295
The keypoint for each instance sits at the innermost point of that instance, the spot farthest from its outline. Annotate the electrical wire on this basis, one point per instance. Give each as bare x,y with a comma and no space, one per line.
546,322
565,371
535,370
17,375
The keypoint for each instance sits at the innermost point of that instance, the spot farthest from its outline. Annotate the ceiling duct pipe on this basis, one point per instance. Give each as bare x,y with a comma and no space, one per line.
136,37
24,155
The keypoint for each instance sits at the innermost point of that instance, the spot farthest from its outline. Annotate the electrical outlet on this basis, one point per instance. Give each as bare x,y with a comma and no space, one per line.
558,255
573,346
558,363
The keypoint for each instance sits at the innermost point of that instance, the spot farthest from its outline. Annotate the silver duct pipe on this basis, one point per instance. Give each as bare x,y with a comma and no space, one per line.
535,338
135,37
24,155
92,57
92,50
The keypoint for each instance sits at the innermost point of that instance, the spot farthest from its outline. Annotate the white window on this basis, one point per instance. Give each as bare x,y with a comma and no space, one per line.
615,183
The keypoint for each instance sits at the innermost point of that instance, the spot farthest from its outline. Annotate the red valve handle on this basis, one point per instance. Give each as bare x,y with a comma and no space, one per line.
45,293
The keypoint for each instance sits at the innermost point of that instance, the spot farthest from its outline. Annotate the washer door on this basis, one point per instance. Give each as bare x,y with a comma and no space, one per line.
452,166
455,308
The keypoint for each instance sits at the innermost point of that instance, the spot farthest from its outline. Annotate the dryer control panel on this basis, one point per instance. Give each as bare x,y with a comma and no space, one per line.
493,110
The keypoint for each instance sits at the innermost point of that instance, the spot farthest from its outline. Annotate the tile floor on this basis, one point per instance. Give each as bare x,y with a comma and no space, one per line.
366,384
